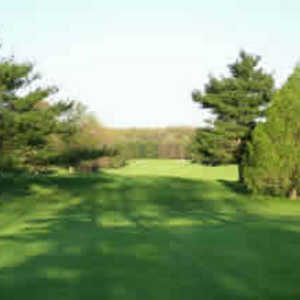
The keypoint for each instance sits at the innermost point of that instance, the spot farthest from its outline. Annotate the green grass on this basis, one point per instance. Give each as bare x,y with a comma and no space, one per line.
177,168
153,230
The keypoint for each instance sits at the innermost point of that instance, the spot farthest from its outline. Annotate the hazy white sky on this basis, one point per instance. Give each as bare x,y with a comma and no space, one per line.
135,62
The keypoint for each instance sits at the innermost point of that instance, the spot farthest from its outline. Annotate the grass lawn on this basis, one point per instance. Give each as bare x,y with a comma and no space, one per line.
153,230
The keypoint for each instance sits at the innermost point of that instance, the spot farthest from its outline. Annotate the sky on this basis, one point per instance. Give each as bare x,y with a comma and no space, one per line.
135,63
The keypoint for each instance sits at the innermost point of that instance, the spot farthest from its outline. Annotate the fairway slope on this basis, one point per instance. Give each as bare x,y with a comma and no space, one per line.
153,230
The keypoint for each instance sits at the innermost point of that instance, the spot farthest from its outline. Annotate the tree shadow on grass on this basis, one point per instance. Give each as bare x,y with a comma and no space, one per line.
114,237
235,186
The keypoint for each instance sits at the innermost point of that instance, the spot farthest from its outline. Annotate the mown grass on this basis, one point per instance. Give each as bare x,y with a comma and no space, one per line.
177,168
153,230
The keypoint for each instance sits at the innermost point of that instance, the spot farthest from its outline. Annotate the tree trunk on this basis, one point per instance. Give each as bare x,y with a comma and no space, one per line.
241,177
293,194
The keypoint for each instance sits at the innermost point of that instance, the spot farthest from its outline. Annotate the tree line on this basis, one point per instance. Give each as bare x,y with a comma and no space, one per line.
148,143
254,125
168,143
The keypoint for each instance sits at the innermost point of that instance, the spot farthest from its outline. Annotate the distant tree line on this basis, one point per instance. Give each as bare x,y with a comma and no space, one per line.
166,143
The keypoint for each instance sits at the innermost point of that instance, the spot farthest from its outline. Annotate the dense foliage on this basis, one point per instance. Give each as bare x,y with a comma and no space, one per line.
30,122
237,101
211,148
272,161
169,143
84,146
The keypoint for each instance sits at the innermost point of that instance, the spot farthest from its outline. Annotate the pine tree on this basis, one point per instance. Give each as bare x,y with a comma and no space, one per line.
211,148
27,116
272,160
237,102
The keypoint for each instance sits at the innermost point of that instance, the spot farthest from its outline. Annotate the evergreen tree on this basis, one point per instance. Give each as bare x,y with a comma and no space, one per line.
272,160
27,119
237,102
211,148
30,122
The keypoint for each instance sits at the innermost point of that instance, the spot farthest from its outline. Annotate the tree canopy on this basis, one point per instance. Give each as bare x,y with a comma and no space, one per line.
272,160
30,120
237,102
